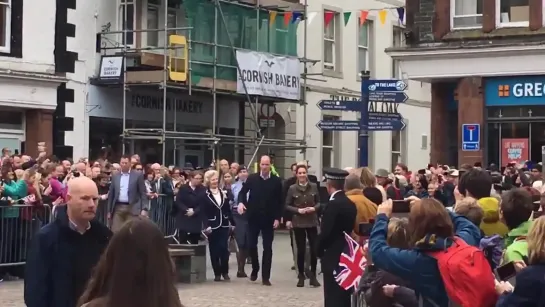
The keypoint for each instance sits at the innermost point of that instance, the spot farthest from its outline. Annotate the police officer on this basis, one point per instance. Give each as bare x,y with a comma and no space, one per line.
338,217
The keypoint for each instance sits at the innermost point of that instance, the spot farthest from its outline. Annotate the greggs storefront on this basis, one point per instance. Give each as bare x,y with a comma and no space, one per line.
515,118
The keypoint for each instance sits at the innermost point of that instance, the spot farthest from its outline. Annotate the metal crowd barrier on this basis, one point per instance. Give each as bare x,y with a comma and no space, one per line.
18,225
160,213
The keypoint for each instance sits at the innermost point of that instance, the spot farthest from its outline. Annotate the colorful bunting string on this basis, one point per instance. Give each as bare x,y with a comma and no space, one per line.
296,16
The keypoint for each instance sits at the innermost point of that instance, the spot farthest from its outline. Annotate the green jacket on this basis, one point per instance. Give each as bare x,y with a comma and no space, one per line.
516,244
15,189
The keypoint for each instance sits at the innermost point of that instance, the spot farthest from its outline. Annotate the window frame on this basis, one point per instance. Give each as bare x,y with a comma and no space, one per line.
515,24
368,26
330,66
329,148
158,9
396,68
120,19
7,47
453,16
396,153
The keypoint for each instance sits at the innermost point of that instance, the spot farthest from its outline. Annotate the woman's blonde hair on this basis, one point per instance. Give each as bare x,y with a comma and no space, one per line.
536,241
398,233
208,176
367,177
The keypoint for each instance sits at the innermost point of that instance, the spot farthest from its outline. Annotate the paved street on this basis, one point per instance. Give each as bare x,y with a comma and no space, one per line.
237,293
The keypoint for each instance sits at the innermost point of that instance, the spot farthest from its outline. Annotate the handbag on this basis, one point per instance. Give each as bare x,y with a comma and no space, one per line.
233,246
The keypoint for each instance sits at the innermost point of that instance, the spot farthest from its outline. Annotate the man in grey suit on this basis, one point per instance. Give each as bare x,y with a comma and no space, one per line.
127,196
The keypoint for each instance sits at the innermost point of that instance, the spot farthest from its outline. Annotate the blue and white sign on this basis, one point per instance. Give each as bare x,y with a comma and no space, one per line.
471,137
515,91
386,85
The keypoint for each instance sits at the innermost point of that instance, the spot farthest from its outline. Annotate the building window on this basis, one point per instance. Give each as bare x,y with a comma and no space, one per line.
331,43
466,14
513,13
396,148
126,21
399,146
364,34
398,41
328,141
154,6
5,25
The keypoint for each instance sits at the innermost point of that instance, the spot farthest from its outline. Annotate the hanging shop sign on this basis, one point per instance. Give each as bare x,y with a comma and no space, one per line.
268,75
514,150
111,67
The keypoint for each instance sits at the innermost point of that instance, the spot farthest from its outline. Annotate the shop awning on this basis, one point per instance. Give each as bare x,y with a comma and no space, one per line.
439,62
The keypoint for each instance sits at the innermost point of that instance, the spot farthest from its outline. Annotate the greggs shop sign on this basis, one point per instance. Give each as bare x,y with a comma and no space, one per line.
515,91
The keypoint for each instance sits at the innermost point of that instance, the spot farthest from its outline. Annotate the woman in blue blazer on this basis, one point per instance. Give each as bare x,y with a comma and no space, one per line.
217,222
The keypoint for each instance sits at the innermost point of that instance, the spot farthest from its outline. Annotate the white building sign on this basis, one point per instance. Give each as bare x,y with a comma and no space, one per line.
111,67
268,75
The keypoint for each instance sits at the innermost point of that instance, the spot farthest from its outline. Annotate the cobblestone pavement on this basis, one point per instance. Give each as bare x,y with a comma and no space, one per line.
237,293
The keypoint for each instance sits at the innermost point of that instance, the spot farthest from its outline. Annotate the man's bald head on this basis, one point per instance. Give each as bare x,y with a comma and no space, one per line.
81,199
81,184
265,164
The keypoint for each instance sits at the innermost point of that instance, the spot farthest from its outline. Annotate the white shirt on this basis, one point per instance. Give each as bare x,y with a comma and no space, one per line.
217,197
333,194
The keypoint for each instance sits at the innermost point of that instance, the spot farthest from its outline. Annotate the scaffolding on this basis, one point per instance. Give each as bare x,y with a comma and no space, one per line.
211,138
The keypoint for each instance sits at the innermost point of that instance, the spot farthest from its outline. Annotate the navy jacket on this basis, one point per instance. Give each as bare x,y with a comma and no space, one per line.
60,262
528,292
189,198
216,214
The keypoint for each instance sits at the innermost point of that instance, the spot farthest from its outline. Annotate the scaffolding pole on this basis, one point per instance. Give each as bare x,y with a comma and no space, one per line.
304,93
215,137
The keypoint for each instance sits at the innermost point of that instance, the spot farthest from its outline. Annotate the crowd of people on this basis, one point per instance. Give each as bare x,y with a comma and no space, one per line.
102,214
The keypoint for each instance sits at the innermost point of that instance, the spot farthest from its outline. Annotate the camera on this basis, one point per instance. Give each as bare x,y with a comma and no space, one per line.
75,173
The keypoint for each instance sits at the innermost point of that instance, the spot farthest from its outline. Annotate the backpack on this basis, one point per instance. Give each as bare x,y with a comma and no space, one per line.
462,268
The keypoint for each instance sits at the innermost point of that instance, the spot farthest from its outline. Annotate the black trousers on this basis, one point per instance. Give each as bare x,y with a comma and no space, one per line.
218,247
301,235
189,238
261,224
334,295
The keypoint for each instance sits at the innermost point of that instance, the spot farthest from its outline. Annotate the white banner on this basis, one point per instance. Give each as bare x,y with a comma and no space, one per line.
268,75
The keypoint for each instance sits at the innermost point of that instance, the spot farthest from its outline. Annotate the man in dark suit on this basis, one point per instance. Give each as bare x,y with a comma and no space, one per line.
339,216
263,209
127,196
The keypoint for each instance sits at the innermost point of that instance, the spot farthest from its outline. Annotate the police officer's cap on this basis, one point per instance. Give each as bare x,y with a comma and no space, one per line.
331,173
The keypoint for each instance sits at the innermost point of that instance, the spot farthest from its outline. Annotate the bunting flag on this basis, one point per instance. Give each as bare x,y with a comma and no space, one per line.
287,18
296,16
346,17
401,14
311,16
272,17
382,16
328,17
363,17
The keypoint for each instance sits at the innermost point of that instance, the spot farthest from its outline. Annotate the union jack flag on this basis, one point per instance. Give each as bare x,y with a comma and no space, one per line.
351,265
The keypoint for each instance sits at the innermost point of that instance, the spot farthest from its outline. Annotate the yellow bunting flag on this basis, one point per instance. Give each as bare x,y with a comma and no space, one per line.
272,17
382,16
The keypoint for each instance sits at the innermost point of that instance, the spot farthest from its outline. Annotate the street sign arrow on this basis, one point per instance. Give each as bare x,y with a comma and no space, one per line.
339,125
385,85
386,125
340,105
384,116
393,97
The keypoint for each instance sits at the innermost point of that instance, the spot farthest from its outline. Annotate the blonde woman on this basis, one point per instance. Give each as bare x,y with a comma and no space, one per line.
368,179
217,223
530,282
